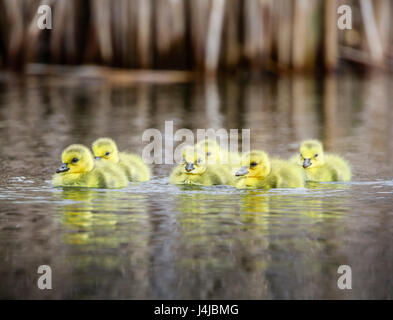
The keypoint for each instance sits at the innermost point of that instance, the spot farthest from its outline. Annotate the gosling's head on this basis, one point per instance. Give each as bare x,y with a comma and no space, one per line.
76,158
311,154
194,161
211,149
255,164
105,149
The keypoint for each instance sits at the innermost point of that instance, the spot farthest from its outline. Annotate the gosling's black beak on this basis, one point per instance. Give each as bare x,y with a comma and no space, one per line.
98,158
189,166
241,172
63,168
306,163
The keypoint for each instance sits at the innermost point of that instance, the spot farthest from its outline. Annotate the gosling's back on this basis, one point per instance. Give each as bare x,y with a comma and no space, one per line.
286,175
134,167
340,168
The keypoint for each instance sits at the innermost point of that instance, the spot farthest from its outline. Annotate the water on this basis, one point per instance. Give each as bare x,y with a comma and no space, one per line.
155,240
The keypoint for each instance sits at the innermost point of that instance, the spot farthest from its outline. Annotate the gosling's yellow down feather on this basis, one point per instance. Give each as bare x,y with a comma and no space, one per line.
194,170
321,166
217,155
105,149
259,172
79,170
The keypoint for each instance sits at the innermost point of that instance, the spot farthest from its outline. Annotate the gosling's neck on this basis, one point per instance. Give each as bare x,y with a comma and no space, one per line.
260,180
77,176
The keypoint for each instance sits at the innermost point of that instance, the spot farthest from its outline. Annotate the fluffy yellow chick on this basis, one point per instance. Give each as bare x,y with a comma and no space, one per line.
79,170
216,155
320,166
259,172
194,170
105,149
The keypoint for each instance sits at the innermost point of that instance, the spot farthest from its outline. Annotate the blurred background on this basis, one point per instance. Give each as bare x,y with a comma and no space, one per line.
281,68
200,35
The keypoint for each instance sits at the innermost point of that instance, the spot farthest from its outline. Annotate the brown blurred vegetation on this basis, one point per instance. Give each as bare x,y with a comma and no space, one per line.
205,35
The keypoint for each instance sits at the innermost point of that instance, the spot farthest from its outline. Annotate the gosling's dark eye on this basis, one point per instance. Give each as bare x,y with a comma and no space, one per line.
74,160
208,154
316,155
199,161
107,153
253,164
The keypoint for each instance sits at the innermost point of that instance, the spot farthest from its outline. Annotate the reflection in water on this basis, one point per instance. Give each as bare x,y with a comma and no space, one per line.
155,240
93,218
104,223
208,224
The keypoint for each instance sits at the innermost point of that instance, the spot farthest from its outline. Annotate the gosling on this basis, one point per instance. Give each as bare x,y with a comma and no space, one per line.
195,171
217,155
105,149
319,166
259,172
79,170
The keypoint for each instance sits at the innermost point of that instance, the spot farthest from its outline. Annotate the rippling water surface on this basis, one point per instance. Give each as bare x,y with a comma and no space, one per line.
155,240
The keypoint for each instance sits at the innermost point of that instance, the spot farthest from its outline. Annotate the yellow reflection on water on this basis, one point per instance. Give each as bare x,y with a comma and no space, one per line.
102,218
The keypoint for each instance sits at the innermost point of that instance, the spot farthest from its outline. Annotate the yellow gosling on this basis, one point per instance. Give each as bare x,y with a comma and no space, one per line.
216,155
320,166
259,172
194,170
79,170
105,149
